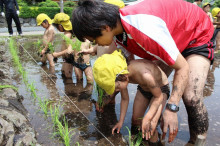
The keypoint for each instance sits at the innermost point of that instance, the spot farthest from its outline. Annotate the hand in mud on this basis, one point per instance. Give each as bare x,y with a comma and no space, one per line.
84,51
146,128
169,120
98,108
118,127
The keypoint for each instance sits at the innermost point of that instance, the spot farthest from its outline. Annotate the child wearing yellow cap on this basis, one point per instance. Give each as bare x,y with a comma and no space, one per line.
206,8
112,73
216,23
48,38
71,57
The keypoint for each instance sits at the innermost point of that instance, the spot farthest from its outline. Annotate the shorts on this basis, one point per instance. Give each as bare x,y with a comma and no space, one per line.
69,59
206,50
165,89
215,34
82,66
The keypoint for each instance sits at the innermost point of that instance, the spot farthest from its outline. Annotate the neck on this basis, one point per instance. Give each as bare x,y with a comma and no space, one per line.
119,29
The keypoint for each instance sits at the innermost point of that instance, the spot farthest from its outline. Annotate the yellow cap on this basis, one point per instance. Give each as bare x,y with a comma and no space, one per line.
64,20
106,68
41,17
215,11
205,4
118,3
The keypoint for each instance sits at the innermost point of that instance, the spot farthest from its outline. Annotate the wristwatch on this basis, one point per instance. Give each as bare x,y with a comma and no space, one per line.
172,107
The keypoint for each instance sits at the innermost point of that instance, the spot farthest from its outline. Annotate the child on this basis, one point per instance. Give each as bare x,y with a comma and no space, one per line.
48,37
206,8
216,23
197,2
177,34
63,24
111,73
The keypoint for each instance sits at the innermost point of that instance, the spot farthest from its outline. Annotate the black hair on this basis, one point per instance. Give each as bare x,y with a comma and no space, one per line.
91,16
121,77
198,0
45,21
55,25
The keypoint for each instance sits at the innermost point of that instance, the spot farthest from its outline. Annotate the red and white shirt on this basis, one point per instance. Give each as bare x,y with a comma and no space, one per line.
160,29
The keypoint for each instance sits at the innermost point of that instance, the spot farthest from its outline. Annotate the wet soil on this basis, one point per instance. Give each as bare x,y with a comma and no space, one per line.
91,127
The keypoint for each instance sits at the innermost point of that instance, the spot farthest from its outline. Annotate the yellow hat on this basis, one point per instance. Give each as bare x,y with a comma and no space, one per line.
205,4
64,20
106,68
215,11
118,3
41,17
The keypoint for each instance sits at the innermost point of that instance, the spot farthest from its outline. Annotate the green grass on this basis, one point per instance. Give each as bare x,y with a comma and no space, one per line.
44,104
8,86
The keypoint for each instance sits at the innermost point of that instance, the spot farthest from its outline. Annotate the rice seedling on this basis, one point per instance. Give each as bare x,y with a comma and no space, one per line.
51,47
100,92
8,86
137,139
75,45
44,104
55,115
77,143
32,88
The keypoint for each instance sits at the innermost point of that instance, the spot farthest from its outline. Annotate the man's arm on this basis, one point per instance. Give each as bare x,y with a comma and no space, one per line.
123,110
16,4
179,83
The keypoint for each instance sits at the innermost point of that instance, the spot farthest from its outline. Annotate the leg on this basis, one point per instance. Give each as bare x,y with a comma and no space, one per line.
51,62
43,59
217,48
17,22
193,96
79,74
67,70
89,75
9,22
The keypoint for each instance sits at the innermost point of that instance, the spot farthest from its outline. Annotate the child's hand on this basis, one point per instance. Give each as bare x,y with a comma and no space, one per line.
43,52
69,51
98,108
146,128
54,54
117,126
85,51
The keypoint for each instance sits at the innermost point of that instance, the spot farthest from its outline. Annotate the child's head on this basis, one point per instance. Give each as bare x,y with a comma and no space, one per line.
43,20
62,22
216,12
206,7
108,70
90,18
198,1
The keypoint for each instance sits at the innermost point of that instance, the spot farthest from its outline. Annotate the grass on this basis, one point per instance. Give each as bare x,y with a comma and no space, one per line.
8,86
137,139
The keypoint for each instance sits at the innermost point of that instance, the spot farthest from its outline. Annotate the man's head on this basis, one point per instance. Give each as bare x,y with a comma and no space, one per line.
92,19
62,22
43,20
108,69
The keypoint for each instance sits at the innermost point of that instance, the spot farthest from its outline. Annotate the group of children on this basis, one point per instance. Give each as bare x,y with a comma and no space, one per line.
69,48
115,67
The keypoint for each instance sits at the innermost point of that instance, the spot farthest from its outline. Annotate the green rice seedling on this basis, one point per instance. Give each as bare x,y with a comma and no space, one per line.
32,88
51,47
55,115
8,86
100,92
77,143
137,139
75,45
44,105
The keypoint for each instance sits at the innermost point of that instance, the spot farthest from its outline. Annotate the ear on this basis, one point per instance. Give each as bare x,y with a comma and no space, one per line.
107,28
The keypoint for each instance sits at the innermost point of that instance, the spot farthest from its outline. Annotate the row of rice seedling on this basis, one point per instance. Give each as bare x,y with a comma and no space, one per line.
59,128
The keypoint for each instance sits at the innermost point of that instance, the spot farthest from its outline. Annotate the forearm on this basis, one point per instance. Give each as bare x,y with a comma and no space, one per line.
124,105
179,84
61,53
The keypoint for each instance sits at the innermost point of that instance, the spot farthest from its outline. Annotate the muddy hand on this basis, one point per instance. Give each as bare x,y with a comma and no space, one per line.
173,135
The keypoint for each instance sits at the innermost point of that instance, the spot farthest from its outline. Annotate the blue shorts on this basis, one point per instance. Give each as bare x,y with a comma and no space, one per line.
82,66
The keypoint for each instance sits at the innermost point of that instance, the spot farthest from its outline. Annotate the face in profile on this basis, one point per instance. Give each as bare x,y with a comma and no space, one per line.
45,24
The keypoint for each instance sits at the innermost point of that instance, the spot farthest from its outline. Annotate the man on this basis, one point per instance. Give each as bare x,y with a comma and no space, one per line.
176,33
11,13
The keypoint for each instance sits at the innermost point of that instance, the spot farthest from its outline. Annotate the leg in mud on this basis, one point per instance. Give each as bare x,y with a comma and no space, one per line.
79,74
139,107
89,75
67,70
43,59
193,96
51,63
217,48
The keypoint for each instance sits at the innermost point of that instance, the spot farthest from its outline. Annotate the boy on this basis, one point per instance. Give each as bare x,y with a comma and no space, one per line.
216,23
112,73
177,34
63,24
206,8
48,38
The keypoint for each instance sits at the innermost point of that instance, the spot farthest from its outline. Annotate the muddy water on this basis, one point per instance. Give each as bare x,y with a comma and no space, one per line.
79,104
